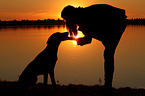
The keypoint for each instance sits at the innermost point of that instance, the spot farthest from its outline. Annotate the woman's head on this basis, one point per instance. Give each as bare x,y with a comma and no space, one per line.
69,14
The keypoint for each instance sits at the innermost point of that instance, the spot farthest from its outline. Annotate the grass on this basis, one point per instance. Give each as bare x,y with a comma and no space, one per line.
11,89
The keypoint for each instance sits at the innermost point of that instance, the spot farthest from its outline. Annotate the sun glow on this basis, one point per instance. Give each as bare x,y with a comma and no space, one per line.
79,35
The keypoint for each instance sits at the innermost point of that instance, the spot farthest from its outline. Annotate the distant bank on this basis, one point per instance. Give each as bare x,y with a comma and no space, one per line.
32,22
138,21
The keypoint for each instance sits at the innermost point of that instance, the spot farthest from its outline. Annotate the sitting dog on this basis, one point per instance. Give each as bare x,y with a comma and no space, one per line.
44,63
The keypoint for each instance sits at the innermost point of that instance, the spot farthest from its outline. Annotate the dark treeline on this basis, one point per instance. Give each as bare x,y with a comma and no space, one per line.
32,22
138,21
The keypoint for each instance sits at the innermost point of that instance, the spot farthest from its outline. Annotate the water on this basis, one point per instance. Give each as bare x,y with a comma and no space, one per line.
76,64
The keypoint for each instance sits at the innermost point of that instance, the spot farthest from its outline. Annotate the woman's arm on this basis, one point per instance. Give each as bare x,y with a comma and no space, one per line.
84,41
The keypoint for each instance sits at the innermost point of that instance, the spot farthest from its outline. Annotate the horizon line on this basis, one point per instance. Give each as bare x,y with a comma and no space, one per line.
52,19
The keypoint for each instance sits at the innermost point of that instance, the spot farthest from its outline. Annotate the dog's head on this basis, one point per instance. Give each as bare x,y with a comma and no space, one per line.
58,37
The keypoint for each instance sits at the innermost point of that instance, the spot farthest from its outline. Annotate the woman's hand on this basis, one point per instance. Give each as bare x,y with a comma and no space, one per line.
83,41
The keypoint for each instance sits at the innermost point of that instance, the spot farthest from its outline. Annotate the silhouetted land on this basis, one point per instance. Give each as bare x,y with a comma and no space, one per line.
138,21
11,89
32,22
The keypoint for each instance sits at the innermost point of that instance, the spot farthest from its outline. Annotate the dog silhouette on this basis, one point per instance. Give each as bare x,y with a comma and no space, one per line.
44,62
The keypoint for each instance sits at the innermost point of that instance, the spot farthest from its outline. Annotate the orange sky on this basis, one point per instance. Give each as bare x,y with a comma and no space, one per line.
43,9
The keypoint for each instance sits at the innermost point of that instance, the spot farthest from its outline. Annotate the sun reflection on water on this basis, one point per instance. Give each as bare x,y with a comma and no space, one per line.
79,35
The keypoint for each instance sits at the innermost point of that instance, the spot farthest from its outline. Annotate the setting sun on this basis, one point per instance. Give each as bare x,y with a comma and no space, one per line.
79,35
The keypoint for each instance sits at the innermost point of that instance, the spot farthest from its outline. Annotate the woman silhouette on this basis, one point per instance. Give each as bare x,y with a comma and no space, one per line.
102,22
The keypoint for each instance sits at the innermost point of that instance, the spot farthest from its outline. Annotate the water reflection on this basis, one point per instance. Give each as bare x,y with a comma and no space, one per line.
31,27
80,64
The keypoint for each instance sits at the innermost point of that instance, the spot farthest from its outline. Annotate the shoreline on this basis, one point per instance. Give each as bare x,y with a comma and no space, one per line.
11,88
133,21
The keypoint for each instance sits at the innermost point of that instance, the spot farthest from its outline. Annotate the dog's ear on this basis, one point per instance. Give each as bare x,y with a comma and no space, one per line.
53,36
66,33
64,36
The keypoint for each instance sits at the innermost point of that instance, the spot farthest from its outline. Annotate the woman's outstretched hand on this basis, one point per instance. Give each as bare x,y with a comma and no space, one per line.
83,41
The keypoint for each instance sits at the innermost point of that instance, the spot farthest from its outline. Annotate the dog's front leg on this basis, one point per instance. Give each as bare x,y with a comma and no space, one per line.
53,79
45,80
